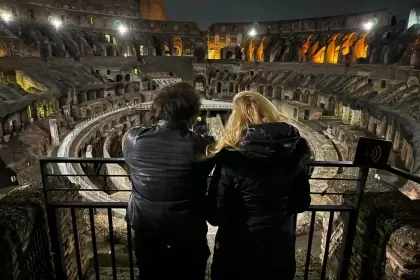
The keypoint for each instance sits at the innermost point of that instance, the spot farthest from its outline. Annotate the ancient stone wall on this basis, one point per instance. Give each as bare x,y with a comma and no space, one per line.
386,239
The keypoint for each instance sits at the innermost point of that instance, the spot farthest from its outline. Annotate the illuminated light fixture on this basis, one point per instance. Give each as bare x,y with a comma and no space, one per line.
56,23
122,29
125,55
6,16
252,32
368,25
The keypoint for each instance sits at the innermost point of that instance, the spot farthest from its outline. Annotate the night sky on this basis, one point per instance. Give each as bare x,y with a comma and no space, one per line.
205,12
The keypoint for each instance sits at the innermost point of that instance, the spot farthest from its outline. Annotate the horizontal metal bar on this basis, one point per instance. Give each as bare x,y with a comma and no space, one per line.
402,173
84,190
111,190
85,175
121,160
89,204
80,160
334,179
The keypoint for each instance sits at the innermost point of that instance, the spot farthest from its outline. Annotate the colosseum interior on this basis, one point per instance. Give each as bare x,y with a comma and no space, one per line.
74,78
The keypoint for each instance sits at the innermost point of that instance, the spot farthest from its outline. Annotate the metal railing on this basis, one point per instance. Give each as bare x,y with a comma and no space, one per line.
55,206
148,106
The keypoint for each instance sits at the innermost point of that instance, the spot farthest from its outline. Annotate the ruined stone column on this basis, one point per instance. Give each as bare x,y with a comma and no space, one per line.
371,125
55,139
346,114
356,117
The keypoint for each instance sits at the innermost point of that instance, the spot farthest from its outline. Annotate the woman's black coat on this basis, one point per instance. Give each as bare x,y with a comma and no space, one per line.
254,195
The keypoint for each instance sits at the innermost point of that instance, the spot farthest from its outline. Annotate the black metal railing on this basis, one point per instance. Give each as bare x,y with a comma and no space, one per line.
58,205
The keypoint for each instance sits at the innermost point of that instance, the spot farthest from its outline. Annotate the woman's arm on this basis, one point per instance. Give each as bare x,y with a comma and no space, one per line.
220,190
300,197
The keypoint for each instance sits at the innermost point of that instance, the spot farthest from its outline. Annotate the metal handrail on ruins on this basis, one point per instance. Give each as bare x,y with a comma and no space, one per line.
347,219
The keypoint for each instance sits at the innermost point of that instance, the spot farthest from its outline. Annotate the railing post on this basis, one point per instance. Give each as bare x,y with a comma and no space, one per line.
349,228
54,227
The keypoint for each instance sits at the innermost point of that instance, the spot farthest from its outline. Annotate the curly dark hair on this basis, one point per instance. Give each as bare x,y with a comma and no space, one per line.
176,103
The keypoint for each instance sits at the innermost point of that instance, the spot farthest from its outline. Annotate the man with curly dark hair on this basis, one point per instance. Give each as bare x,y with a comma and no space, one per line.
169,175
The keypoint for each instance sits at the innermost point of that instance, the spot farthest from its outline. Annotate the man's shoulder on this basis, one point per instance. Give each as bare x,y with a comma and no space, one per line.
137,131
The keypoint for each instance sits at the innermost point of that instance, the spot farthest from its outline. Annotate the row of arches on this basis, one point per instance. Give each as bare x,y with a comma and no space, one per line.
340,48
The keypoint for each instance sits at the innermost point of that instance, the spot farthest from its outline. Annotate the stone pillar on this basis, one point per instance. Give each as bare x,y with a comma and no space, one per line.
356,117
390,132
397,140
55,139
346,114
371,125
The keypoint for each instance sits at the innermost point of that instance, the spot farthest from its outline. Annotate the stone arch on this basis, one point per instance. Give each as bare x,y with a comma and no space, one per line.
305,96
297,95
187,46
119,78
250,51
231,87
261,89
277,94
269,91
260,51
91,95
100,93
105,128
127,77
177,43
200,49
229,55
313,99
110,50
331,104
3,49
219,87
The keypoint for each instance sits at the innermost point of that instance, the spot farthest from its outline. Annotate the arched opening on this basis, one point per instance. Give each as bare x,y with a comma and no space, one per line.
177,42
62,101
305,97
313,99
333,50
187,46
200,49
261,89
3,49
231,87
360,48
297,94
91,95
127,78
304,49
331,106
277,93
229,55
250,52
348,42
199,82
108,72
319,56
260,51
119,78
219,87
269,91
110,50
141,50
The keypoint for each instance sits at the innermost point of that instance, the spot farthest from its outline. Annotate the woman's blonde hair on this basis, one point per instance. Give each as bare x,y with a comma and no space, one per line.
249,108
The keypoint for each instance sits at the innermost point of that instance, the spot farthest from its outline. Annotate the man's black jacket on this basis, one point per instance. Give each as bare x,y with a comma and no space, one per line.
169,176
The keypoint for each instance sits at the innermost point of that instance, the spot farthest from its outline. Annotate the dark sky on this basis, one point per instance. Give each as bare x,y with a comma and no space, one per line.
205,12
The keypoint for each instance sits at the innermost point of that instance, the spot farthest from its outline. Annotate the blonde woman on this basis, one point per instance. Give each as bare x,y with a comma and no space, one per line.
260,183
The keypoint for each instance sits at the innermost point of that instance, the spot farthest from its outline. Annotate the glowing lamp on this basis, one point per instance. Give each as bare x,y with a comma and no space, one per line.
6,16
122,29
252,32
125,55
56,23
368,25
